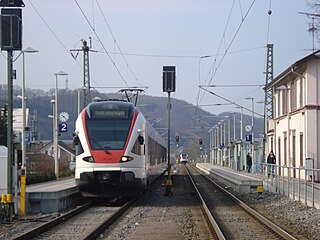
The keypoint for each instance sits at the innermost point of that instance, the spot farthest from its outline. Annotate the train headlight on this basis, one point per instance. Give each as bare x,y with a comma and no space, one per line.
89,159
126,158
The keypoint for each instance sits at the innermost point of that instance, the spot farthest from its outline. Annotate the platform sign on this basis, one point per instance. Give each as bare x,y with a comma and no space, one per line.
248,138
62,127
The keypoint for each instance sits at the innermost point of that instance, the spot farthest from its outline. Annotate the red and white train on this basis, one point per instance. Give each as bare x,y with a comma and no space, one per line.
117,152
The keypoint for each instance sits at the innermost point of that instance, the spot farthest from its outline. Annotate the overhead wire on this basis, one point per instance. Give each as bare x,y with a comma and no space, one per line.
97,36
54,34
230,44
181,56
215,69
116,43
48,26
232,102
214,62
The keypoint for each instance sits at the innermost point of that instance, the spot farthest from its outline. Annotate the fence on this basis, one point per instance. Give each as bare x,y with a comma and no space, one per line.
298,183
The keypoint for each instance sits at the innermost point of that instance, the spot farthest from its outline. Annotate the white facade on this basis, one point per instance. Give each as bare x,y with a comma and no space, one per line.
293,133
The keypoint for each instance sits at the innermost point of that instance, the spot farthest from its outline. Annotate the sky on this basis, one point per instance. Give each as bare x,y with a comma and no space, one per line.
211,42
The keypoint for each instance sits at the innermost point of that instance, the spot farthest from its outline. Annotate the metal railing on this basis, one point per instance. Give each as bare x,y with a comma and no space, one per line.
298,183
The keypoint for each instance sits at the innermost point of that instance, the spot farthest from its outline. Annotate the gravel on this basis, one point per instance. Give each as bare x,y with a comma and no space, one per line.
292,215
183,216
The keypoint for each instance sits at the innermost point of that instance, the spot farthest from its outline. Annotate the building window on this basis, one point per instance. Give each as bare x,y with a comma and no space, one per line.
293,95
301,149
293,148
278,105
285,148
301,92
284,102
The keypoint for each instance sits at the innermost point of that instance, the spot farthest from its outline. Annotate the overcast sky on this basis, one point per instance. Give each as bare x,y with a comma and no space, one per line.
155,33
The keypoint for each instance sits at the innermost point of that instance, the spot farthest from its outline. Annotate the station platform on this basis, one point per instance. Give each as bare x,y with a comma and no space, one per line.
52,196
305,191
238,181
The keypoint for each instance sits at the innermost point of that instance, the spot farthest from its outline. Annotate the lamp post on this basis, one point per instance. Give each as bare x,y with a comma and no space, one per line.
210,145
234,143
219,155
263,155
241,161
252,127
229,141
55,139
23,132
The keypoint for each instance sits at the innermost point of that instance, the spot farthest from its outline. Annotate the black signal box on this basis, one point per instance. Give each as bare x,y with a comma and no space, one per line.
169,79
11,29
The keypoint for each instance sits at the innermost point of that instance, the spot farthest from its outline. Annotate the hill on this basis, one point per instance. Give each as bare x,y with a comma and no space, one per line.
183,120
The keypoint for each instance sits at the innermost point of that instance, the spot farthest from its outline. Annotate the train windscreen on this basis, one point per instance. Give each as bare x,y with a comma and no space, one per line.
108,127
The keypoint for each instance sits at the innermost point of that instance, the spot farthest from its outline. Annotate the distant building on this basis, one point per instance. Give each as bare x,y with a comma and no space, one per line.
17,123
64,150
294,132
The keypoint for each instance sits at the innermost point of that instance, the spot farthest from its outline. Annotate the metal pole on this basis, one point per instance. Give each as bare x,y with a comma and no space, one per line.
169,182
241,139
221,144
79,102
55,139
235,160
23,135
253,155
9,121
229,140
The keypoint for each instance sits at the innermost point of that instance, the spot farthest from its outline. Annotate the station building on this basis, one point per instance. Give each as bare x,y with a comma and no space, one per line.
294,132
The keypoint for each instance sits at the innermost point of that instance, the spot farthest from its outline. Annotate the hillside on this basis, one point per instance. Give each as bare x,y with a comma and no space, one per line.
183,121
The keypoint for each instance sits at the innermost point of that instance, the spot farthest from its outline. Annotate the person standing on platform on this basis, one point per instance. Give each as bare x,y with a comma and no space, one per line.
249,162
271,161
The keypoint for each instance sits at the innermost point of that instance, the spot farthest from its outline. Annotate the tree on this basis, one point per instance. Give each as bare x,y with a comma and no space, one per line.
3,126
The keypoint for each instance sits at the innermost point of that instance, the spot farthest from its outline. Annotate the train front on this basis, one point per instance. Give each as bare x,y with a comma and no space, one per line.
107,134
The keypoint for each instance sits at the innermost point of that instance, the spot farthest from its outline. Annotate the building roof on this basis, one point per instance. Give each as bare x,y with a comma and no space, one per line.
62,145
293,68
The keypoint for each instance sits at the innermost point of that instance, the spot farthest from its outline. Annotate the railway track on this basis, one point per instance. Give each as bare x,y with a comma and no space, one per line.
230,217
85,222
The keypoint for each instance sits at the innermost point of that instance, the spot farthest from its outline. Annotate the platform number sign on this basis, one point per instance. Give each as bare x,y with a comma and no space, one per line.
248,138
62,127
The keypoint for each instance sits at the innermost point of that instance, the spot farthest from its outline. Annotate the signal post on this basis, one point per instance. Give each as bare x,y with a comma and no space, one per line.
169,85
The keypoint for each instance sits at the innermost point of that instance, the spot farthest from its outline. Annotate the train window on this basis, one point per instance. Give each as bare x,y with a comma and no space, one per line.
79,148
141,140
108,134
138,148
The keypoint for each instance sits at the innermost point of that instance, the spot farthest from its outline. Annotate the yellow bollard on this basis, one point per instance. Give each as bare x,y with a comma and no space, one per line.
260,189
23,192
168,182
9,198
4,198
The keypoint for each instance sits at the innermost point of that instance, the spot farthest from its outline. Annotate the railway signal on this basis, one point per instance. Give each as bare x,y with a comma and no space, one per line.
177,139
169,85
200,141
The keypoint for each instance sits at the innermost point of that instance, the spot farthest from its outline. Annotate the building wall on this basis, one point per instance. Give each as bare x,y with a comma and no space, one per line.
302,102
312,112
